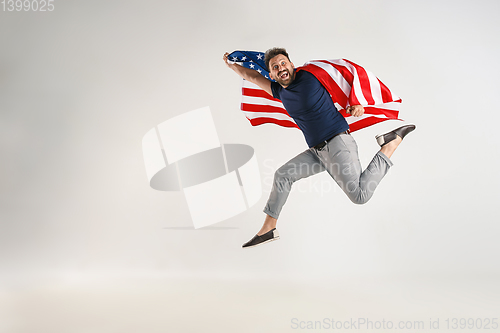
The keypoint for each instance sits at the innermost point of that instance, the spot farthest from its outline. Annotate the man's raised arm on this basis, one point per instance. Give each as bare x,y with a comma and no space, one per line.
250,75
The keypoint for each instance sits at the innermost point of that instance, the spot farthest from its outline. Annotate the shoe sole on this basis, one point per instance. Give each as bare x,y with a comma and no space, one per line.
393,131
382,141
267,241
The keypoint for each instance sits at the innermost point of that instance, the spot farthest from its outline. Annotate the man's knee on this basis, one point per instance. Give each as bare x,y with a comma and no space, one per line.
359,199
356,194
282,176
287,172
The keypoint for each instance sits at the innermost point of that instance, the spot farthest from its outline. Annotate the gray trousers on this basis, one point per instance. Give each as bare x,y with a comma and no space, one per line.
340,159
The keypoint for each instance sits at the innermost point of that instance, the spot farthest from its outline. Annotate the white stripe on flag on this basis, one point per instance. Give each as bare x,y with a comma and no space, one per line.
351,120
260,101
358,92
248,84
334,74
338,106
273,115
393,106
356,86
375,88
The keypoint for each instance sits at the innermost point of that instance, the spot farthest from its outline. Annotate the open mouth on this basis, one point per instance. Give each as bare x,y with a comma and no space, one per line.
284,75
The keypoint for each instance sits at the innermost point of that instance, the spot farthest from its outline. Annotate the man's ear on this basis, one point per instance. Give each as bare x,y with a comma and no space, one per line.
293,66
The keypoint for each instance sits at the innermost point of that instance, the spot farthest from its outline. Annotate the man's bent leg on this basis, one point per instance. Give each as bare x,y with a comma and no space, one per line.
340,158
301,166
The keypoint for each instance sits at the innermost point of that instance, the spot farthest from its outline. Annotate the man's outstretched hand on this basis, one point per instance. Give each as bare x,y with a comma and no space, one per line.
249,75
355,110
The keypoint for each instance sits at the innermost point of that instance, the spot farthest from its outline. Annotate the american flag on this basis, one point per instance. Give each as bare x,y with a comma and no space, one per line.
347,83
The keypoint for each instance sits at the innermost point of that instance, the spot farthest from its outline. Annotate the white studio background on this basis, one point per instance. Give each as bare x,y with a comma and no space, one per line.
80,86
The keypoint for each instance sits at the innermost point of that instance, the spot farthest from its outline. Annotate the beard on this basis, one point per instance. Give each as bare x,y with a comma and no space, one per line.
286,81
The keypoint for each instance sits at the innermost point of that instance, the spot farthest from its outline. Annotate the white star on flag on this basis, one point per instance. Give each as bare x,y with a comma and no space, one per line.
235,58
252,66
244,58
259,71
259,56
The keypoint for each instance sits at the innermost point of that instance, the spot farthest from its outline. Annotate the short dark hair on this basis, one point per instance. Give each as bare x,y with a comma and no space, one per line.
271,53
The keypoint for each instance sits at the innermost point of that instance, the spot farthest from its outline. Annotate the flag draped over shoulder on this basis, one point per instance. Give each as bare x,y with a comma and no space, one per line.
347,83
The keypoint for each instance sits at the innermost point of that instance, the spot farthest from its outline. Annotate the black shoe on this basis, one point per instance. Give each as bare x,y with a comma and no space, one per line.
383,139
262,239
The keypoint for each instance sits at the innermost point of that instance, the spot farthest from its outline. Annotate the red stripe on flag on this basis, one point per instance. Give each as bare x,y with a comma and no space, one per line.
344,113
258,93
360,124
349,77
284,123
386,93
364,82
262,108
391,114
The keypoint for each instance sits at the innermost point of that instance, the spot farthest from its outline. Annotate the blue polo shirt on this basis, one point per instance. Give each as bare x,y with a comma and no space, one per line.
312,108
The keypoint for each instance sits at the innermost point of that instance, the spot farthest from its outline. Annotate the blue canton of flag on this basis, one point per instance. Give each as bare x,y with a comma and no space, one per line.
252,60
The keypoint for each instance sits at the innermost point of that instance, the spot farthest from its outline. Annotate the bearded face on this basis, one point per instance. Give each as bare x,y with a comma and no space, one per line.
281,70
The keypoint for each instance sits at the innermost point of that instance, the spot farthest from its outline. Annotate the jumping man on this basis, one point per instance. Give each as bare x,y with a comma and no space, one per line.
331,147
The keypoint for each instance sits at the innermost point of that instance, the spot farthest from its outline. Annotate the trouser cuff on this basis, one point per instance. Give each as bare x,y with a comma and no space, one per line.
268,212
385,158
